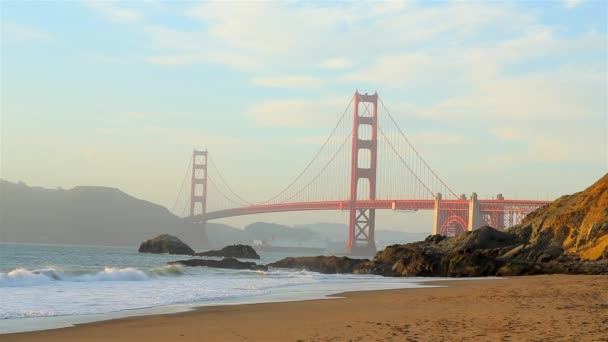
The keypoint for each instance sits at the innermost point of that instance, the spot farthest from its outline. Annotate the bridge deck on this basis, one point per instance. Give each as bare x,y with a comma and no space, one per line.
486,205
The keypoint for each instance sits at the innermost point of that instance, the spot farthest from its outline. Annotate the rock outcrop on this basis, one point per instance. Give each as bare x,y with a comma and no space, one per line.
481,253
231,263
165,244
234,251
321,264
472,254
576,224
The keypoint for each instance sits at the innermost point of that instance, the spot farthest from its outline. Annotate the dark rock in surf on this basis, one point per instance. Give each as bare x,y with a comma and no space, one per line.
321,264
165,243
234,251
230,263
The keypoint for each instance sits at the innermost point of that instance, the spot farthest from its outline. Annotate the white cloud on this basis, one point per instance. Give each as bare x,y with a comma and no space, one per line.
272,34
488,62
297,112
261,28
114,12
192,47
565,93
569,4
540,42
401,69
26,32
437,138
287,81
174,60
507,133
336,63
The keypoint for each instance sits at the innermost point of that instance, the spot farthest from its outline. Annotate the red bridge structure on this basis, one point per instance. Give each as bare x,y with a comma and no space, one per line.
382,170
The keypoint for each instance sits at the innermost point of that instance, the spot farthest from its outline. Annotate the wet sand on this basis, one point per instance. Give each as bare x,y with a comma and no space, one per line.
534,308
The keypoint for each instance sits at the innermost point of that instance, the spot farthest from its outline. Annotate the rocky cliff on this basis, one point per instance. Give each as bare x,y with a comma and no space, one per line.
577,224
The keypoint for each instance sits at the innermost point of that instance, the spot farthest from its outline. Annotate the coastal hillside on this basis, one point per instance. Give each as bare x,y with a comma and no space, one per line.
94,215
576,223
81,215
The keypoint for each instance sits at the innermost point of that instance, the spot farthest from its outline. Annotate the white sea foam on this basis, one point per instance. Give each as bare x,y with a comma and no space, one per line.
24,277
55,292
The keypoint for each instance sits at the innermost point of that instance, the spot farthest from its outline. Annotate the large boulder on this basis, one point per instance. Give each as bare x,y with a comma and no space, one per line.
234,251
231,263
471,254
322,264
412,259
164,244
482,238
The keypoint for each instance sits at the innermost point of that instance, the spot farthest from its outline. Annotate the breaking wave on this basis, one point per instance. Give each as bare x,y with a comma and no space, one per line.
24,277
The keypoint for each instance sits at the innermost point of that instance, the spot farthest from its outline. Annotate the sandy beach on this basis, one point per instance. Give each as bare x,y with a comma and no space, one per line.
533,308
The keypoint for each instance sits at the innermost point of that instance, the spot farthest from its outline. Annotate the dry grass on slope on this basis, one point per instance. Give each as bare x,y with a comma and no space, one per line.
577,223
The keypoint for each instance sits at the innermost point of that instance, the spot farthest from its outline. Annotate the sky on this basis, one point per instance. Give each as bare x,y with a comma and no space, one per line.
498,97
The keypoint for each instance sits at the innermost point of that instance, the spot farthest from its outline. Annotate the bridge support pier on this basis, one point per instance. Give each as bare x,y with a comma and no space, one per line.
498,217
198,192
475,217
436,215
364,241
364,158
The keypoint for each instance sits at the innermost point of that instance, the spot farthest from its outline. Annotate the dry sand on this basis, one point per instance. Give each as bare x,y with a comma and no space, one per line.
536,308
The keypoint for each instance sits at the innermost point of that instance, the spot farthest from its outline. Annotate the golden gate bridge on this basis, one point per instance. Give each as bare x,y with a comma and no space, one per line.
380,170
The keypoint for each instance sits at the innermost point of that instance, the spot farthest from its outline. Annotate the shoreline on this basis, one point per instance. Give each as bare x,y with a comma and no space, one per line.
292,293
564,307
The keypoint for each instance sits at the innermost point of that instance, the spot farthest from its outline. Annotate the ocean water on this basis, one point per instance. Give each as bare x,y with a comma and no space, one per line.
65,283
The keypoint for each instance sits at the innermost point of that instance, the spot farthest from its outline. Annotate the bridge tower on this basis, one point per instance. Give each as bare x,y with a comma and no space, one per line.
198,191
364,158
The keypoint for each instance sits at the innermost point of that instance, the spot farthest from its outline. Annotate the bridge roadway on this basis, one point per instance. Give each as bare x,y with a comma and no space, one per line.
514,206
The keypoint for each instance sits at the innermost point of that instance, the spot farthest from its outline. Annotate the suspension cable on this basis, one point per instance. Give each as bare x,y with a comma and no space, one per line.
221,193
415,151
226,183
182,186
185,207
315,157
321,171
404,162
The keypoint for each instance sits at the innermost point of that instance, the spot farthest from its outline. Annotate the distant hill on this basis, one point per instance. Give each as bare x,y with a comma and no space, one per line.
221,235
271,231
338,232
91,215
82,215
577,223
